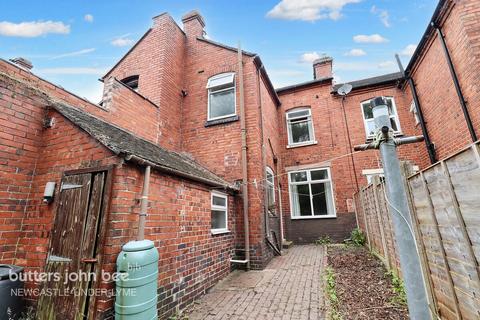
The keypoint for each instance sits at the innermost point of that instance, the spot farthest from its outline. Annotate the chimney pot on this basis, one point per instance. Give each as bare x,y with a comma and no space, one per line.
23,63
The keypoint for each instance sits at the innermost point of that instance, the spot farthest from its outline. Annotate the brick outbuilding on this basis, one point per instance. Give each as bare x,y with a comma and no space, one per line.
238,166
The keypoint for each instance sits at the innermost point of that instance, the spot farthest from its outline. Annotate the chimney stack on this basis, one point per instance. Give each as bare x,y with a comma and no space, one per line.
322,68
193,24
22,63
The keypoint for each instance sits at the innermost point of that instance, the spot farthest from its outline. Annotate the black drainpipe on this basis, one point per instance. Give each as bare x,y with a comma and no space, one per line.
463,103
428,142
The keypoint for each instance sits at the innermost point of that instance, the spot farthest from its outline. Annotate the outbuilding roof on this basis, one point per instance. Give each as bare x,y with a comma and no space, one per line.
131,147
374,81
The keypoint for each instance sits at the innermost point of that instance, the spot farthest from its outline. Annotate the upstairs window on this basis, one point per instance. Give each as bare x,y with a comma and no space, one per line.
270,189
311,194
300,127
370,127
219,215
221,96
131,82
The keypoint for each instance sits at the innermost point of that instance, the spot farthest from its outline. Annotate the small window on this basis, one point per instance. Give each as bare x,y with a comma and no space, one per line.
131,82
414,111
300,127
311,194
221,96
270,190
219,216
369,122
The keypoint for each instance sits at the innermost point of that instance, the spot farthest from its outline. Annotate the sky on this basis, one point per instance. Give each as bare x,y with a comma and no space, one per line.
73,43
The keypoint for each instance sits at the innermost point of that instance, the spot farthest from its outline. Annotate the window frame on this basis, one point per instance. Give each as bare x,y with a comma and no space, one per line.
269,184
395,116
219,208
211,90
309,181
290,143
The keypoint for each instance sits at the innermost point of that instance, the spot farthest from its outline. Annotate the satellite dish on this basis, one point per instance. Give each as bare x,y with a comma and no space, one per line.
344,89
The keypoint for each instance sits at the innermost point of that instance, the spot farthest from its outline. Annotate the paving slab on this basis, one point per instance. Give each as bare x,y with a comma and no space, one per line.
290,288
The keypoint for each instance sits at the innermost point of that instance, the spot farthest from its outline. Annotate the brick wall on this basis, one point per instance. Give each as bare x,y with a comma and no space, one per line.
331,136
158,61
439,100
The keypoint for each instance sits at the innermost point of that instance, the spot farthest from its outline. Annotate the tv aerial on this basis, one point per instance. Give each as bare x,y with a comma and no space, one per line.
345,89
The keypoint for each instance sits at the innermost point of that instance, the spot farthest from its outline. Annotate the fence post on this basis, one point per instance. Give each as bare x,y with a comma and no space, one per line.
365,218
407,169
376,182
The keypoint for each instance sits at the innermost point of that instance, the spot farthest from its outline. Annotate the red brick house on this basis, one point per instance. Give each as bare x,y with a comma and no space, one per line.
223,145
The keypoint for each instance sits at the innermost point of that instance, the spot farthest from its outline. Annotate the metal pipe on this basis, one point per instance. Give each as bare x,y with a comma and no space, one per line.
398,207
423,125
244,158
144,205
349,143
461,98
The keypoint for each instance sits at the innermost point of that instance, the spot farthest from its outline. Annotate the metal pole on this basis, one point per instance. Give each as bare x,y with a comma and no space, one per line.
398,205
144,205
244,158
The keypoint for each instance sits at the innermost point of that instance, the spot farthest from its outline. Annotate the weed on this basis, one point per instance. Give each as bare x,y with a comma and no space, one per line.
324,240
332,294
400,297
28,314
178,316
357,237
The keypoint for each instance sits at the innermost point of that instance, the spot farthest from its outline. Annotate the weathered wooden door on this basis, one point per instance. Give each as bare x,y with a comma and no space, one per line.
73,248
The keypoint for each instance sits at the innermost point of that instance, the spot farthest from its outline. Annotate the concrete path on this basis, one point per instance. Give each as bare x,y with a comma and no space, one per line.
291,287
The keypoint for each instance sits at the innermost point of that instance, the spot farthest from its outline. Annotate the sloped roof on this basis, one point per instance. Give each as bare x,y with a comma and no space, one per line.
374,81
126,144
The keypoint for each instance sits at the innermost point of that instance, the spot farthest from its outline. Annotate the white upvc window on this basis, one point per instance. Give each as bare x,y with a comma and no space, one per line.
370,173
414,111
221,96
311,194
367,112
300,127
219,213
270,188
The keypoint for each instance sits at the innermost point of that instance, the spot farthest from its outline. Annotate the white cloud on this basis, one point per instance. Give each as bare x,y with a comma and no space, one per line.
373,38
309,57
409,50
309,10
32,29
74,53
73,71
122,41
356,53
383,15
386,65
88,17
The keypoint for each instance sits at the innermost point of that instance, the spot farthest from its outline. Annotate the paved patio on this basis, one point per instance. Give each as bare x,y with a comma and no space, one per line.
291,287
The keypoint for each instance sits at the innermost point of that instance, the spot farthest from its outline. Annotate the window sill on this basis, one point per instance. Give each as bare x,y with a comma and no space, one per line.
313,217
215,122
290,146
219,231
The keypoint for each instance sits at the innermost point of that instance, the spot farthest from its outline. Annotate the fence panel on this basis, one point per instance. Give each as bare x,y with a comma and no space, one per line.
445,211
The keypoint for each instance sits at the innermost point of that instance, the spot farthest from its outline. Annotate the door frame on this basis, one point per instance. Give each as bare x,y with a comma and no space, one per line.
104,218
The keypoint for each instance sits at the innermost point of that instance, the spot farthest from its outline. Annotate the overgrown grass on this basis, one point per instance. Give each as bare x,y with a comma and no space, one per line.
400,297
332,294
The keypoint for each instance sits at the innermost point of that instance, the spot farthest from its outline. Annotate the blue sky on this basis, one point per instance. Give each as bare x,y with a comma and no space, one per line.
72,43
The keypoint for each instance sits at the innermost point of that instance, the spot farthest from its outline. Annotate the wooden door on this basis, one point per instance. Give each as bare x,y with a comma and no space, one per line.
73,248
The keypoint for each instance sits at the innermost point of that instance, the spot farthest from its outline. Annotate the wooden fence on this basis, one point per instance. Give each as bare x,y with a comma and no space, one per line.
445,210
